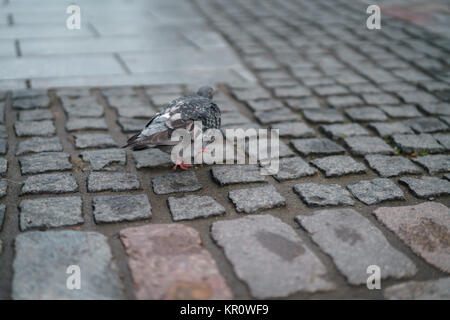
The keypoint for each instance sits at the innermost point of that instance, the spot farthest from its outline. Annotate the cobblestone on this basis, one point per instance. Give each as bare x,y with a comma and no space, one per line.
293,168
436,109
375,191
336,166
387,129
426,125
354,244
314,194
82,107
49,183
274,246
226,175
253,200
131,124
3,166
367,145
340,131
443,139
323,116
94,140
424,228
365,114
50,213
193,207
34,128
176,182
391,166
35,115
434,163
106,159
409,143
294,130
45,161
40,257
277,115
168,261
121,208
3,190
308,147
420,290
152,158
404,111
37,144
115,181
344,101
427,187
31,103
74,124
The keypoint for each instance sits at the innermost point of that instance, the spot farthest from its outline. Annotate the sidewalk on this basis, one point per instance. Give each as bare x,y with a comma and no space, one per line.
364,181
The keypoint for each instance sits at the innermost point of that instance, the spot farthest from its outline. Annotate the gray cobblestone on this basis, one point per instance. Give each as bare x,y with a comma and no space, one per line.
380,98
264,105
303,103
49,183
45,161
50,213
35,115
40,257
152,158
386,129
409,143
34,128
426,125
82,107
121,208
321,115
274,246
3,146
436,109
292,92
31,103
338,131
434,163
293,168
3,190
106,159
344,101
131,124
443,139
251,94
404,111
37,144
2,215
294,130
3,132
94,140
365,114
391,166
375,191
3,166
131,107
367,145
241,173
336,166
176,182
354,244
115,181
420,290
74,124
427,187
314,194
316,146
253,200
192,207
277,115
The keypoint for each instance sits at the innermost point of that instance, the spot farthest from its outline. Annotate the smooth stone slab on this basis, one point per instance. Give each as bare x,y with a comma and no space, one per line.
426,187
361,146
38,144
294,130
409,143
314,194
193,207
340,131
94,140
375,191
321,115
45,161
270,257
240,173
391,166
152,158
316,146
49,183
168,261
35,115
185,181
424,228
386,129
336,166
293,168
354,243
82,107
74,124
34,128
121,208
50,213
438,289
434,163
114,181
253,200
42,259
106,159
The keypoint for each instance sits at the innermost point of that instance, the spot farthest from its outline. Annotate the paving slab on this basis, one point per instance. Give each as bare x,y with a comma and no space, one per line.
354,244
273,247
423,227
168,261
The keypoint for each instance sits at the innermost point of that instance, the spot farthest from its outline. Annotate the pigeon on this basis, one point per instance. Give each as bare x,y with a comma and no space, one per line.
177,114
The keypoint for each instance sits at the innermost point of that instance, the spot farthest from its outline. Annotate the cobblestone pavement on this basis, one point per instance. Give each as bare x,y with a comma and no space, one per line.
364,118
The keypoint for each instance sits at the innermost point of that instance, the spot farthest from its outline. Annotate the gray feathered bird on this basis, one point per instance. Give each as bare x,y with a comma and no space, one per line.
179,113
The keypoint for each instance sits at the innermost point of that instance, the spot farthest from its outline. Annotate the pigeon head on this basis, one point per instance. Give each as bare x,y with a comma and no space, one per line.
206,92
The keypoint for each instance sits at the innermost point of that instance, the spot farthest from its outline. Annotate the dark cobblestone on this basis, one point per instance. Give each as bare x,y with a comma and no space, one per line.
323,194
49,183
316,146
176,182
193,207
50,213
45,161
375,191
336,166
37,144
253,200
121,208
116,181
427,187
